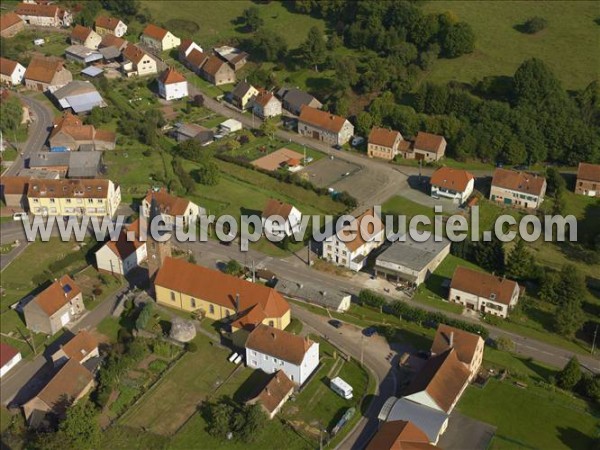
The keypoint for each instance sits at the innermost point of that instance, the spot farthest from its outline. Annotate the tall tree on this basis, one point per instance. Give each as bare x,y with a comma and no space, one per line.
313,50
12,113
569,317
81,428
458,40
519,262
251,18
534,83
570,375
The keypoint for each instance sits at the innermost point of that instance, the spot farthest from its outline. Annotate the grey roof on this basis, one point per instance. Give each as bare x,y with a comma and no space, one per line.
84,53
430,420
75,87
190,129
297,98
331,298
85,102
81,96
92,71
241,89
84,164
110,52
48,159
412,254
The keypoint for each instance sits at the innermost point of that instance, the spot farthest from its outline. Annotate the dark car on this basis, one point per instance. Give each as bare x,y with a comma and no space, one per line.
369,331
335,323
337,147
422,355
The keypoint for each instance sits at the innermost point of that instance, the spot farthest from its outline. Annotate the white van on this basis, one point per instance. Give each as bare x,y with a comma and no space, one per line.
20,216
340,387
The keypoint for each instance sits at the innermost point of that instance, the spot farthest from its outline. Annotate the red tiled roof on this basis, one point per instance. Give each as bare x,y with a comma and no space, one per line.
80,346
171,76
133,53
110,40
383,137
7,353
463,342
109,23
57,295
68,188
8,20
14,185
263,98
588,172
213,65
372,228
43,69
483,284
80,33
276,390
123,247
518,181
216,287
167,203
32,9
429,142
7,66
321,119
400,435
279,344
443,378
196,58
276,207
455,179
155,32
68,383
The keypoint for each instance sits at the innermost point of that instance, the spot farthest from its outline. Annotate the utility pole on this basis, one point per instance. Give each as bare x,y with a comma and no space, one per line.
308,254
594,341
361,348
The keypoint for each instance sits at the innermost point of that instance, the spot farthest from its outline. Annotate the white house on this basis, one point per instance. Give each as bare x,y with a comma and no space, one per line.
9,358
455,184
266,105
122,255
110,25
172,85
11,72
350,245
271,349
280,219
519,189
171,207
159,39
230,126
186,47
483,292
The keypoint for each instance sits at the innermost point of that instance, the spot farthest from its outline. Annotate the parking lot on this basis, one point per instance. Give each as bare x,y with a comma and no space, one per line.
326,172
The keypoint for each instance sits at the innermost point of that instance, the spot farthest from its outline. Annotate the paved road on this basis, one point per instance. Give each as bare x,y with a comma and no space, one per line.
293,268
375,352
20,384
39,129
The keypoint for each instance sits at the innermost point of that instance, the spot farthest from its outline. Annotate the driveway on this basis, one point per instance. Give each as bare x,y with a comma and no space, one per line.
466,433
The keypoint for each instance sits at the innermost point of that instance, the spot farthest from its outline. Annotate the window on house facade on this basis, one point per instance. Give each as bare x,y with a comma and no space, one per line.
193,302
172,296
211,309
271,323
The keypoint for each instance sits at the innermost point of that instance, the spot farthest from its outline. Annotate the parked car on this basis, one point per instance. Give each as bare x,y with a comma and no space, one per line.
335,323
357,140
337,147
369,331
20,216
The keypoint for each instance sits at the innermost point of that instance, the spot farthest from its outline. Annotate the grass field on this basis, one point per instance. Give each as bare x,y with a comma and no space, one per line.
517,412
215,22
500,48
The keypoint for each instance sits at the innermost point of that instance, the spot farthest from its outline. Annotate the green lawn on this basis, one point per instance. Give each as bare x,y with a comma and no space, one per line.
214,22
500,49
528,418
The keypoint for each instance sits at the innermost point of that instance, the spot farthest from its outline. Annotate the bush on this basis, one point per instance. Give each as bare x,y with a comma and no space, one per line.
97,291
370,298
162,348
157,366
191,347
101,395
534,25
144,316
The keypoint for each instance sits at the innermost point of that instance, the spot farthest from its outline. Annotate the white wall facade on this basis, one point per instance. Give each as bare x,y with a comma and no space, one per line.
173,91
277,226
16,77
297,373
482,304
456,196
10,364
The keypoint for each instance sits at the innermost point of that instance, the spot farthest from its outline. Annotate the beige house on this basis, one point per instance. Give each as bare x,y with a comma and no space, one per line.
349,248
266,105
243,94
468,346
486,293
242,304
81,348
588,180
137,62
71,383
54,307
429,147
10,25
44,15
11,72
159,39
216,71
518,189
44,73
123,255
383,143
73,197
110,25
324,126
85,36
276,392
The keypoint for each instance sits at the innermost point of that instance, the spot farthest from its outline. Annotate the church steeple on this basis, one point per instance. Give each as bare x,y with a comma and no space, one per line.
157,251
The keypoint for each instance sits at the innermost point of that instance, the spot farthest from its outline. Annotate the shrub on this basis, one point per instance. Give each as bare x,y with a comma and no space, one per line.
157,366
370,298
162,348
144,316
97,291
534,25
191,347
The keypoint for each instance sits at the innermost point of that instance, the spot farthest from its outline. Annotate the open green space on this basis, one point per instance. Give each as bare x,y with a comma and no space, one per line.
500,48
527,418
215,22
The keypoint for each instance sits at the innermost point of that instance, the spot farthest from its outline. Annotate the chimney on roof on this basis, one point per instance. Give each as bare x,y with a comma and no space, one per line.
267,390
237,302
451,339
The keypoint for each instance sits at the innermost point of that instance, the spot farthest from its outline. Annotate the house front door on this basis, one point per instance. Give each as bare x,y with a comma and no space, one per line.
316,135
